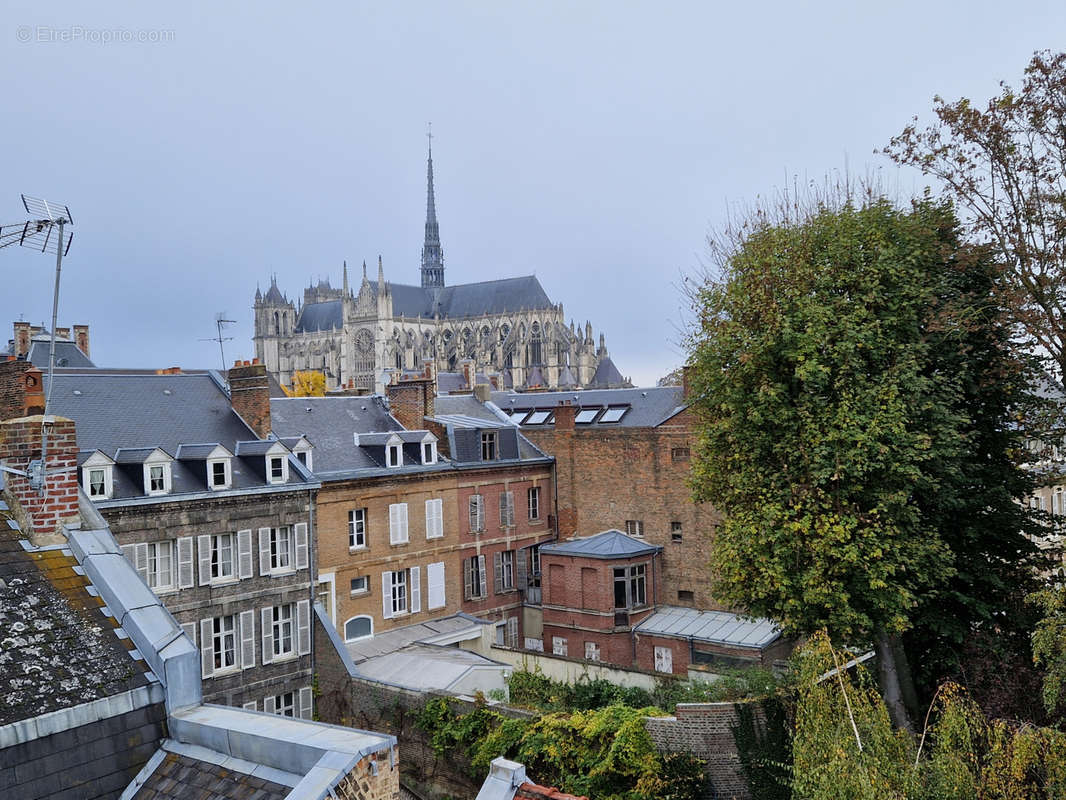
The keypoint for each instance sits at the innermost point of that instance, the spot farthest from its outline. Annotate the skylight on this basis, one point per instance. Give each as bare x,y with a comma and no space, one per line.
614,413
586,415
517,415
538,417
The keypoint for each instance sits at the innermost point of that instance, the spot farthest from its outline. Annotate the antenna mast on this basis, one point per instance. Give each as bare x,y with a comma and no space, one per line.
220,320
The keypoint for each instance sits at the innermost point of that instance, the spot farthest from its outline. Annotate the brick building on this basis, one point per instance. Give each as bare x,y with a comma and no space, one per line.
622,462
217,521
394,514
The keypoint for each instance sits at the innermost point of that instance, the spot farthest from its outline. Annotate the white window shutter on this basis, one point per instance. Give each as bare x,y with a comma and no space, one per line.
306,699
207,648
521,568
303,627
403,520
141,560
185,576
435,581
190,630
430,530
244,554
468,580
480,512
394,523
203,544
264,551
247,639
481,564
249,706
267,617
497,573
416,589
130,552
268,704
301,545
386,595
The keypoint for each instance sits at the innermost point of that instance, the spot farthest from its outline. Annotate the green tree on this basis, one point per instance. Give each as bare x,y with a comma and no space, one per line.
831,377
1005,165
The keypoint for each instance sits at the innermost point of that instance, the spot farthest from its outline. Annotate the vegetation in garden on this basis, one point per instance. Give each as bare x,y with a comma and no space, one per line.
604,753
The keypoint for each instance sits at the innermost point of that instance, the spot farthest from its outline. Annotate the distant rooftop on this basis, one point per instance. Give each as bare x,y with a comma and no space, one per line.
619,408
610,544
715,627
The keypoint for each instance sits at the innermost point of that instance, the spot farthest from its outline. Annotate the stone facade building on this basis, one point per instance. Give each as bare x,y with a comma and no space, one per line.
353,334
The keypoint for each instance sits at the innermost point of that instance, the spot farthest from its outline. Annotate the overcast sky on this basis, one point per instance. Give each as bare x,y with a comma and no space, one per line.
593,144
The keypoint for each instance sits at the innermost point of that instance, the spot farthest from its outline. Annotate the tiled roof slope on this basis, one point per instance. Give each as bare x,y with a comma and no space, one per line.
328,423
179,777
114,411
648,407
57,648
608,545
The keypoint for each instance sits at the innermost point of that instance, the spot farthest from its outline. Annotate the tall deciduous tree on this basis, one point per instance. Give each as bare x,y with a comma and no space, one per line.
832,376
1006,165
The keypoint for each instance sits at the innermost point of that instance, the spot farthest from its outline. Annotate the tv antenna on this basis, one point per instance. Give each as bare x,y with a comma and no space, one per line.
220,320
45,231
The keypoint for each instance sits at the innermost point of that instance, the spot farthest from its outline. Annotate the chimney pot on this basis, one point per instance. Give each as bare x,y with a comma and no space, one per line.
250,396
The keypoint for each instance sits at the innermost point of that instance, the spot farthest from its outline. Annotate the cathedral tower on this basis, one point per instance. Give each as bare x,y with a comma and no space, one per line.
432,253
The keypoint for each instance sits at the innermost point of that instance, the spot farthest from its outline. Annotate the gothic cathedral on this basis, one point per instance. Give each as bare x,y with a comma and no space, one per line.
507,329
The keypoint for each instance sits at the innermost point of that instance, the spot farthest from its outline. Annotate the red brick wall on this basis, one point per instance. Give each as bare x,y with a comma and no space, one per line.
21,389
20,443
607,476
410,400
250,396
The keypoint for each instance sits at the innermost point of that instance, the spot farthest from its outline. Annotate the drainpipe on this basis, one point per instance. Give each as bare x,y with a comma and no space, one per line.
312,577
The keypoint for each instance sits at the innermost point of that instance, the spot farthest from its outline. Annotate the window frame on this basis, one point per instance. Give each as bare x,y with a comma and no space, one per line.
216,557
476,506
276,551
490,446
478,578
533,503
632,577
283,477
507,570
227,474
277,631
348,621
357,519
635,528
357,592
401,600
152,557
394,455
219,637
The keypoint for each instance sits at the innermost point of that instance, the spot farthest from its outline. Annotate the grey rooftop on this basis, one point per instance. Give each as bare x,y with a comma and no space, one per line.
647,407
610,544
714,627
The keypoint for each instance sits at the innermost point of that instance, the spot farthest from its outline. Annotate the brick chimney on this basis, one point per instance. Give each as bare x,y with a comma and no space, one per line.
22,339
20,444
62,333
81,338
21,389
564,416
469,373
429,370
249,392
412,400
483,392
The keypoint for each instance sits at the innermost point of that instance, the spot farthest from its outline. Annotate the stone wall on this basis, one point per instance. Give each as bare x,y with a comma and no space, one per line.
93,761
706,731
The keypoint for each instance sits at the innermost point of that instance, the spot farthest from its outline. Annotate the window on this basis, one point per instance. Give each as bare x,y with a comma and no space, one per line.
675,531
358,628
664,659
592,651
281,631
533,502
507,509
277,469
614,414
586,415
436,585
474,577
285,704
398,523
518,414
679,454
512,632
399,592
219,472
538,418
503,564
394,455
685,596
477,512
280,549
224,642
304,457
559,645
488,446
635,527
222,556
429,452
360,585
434,518
160,565
630,586
97,483
357,528
156,484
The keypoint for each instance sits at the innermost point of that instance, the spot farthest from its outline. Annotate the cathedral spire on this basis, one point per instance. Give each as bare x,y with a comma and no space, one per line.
346,292
432,252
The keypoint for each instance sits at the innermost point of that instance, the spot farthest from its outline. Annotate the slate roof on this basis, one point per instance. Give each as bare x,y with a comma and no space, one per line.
648,407
423,667
715,627
113,411
180,777
57,649
328,424
68,354
466,411
607,376
607,545
323,316
385,642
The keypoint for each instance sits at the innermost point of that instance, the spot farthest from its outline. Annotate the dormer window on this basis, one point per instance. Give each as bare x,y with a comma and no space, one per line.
277,469
157,477
98,482
305,457
394,455
429,452
97,476
488,445
219,474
